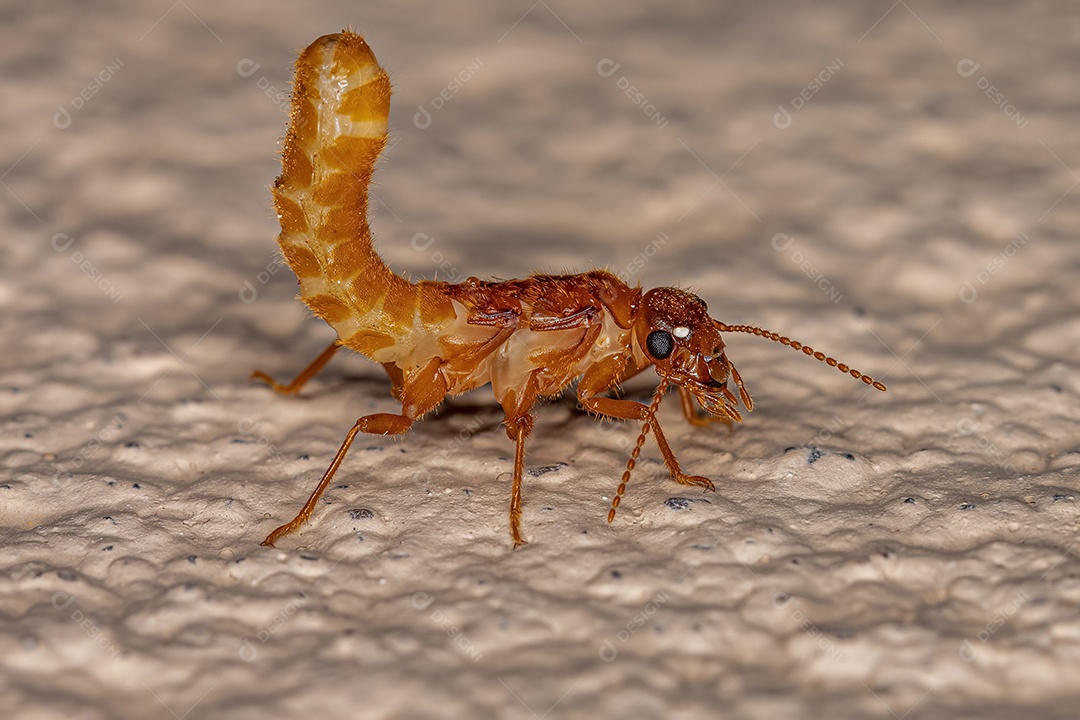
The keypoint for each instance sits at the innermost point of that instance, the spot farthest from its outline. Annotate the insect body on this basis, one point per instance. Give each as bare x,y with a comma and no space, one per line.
528,338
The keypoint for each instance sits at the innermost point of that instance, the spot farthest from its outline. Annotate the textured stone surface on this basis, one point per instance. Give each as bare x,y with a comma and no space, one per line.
907,554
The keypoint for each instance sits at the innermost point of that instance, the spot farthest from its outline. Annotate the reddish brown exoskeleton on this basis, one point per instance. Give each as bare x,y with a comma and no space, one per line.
528,338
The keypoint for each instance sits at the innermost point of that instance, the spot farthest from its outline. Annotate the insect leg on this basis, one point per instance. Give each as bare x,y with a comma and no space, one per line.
673,465
423,389
301,379
602,376
380,424
397,379
695,418
521,428
519,424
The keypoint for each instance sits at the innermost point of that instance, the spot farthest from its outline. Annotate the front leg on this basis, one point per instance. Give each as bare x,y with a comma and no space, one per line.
602,376
695,418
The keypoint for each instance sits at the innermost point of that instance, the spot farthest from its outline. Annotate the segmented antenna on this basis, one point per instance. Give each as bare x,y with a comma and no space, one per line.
651,413
806,349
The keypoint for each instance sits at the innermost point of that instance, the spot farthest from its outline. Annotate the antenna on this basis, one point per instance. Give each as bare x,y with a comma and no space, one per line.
806,349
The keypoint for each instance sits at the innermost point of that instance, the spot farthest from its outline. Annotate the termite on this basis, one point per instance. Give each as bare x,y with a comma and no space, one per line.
528,338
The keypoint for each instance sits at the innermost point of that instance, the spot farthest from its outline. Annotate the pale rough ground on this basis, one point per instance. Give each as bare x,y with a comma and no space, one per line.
855,586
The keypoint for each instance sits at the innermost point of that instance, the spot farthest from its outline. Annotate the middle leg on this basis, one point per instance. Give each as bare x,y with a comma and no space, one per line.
519,425
519,430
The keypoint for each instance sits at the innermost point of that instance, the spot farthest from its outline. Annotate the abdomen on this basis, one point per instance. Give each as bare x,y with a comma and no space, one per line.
338,128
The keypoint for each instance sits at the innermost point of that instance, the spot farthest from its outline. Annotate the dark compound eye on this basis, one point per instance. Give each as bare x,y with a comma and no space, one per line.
660,344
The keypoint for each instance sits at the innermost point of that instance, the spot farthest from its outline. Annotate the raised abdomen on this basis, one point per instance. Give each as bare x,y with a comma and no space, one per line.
338,128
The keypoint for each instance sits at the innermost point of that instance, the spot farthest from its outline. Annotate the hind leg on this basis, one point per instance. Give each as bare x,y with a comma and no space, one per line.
419,395
301,379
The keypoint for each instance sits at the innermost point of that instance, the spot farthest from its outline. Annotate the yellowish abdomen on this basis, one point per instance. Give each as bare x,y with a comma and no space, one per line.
337,129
